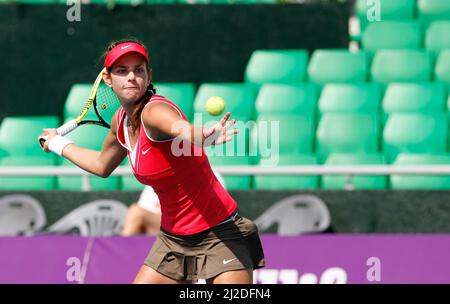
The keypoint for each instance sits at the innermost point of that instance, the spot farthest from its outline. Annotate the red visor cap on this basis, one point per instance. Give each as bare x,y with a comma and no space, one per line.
122,49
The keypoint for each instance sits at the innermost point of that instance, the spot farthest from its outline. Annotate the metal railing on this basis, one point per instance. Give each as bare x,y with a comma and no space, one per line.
347,171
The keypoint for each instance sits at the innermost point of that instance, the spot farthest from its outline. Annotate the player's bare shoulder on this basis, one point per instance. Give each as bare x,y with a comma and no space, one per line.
156,110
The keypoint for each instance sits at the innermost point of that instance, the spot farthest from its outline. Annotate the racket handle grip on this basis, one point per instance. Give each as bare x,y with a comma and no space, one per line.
67,127
63,130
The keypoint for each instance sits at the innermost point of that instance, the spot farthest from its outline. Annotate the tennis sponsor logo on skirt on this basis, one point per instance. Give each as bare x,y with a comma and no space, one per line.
225,262
263,136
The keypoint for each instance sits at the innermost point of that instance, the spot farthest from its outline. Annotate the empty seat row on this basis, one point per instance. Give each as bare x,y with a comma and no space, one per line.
343,133
299,99
343,66
272,69
269,134
406,35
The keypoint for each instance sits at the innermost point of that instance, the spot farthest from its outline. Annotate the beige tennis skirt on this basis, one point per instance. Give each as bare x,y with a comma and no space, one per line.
231,245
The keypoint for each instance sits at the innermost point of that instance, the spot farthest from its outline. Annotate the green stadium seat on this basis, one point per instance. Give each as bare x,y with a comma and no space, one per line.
77,97
286,99
389,10
431,10
130,183
414,97
3,153
392,35
358,181
89,137
289,182
338,66
182,94
18,135
442,70
238,97
437,37
401,66
352,98
415,133
233,182
26,183
276,66
431,182
295,135
347,133
239,101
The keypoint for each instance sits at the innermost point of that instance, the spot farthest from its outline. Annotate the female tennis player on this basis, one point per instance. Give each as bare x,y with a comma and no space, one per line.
202,235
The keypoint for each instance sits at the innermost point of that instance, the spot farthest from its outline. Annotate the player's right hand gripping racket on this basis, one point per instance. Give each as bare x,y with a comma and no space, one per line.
102,100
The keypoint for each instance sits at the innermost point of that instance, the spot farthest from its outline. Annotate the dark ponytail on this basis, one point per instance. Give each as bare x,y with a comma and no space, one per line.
135,118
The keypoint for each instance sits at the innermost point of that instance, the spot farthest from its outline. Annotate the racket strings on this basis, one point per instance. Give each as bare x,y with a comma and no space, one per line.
107,103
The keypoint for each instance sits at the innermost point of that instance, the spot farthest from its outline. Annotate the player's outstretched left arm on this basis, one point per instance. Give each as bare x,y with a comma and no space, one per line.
165,119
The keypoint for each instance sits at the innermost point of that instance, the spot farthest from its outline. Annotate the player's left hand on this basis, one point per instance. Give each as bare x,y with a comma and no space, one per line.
220,133
48,135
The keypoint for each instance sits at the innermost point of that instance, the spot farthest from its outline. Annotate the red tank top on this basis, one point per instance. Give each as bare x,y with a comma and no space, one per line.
192,199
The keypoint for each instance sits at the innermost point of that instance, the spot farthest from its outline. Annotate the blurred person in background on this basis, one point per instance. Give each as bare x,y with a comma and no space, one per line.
144,216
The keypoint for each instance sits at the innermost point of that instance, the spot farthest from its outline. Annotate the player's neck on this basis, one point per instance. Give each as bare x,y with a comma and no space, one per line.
128,110
129,125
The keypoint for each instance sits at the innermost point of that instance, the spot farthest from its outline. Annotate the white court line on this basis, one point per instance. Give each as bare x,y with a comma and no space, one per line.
86,259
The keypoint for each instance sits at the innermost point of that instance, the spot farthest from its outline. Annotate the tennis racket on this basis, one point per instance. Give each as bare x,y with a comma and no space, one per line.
102,100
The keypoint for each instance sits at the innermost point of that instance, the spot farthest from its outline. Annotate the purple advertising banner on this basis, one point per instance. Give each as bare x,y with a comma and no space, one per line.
38,259
364,259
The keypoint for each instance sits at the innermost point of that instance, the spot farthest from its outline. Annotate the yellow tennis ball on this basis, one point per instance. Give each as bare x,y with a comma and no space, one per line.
215,105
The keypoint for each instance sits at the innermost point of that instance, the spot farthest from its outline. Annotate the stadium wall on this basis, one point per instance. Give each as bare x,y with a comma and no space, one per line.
45,54
350,211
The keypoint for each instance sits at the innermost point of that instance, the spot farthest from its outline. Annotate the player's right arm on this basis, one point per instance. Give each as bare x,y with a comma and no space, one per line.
100,163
